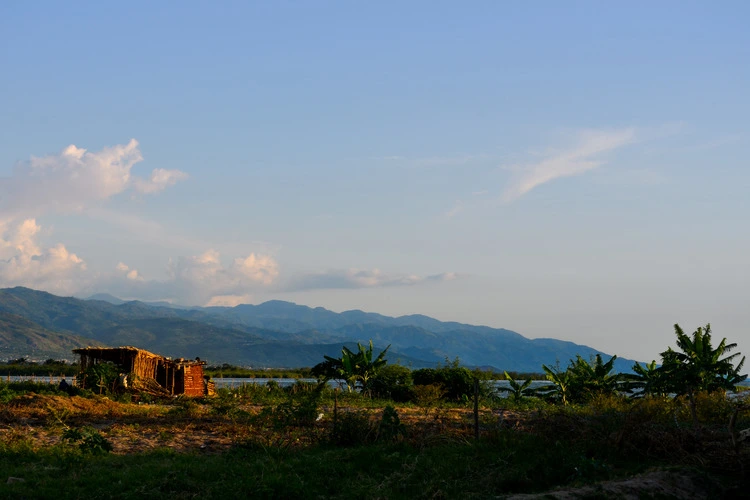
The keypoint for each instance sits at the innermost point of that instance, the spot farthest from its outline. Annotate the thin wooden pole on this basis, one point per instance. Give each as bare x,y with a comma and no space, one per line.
335,409
476,408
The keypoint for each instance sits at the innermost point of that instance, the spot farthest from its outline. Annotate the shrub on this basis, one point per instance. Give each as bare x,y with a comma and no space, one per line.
457,381
353,428
302,412
390,427
89,440
428,395
393,382
101,378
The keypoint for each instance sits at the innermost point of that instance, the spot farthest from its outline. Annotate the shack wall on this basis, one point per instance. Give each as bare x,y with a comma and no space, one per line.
192,380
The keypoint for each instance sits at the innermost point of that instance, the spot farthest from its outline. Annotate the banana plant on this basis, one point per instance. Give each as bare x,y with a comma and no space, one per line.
561,384
647,380
517,390
698,366
352,367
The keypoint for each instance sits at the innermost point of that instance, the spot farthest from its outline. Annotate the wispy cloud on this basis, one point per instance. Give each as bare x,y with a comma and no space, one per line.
359,278
585,155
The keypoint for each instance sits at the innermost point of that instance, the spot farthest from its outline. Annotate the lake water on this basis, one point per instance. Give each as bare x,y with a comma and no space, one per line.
233,383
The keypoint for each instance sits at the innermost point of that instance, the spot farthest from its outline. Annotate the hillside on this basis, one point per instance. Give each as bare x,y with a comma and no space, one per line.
278,333
20,337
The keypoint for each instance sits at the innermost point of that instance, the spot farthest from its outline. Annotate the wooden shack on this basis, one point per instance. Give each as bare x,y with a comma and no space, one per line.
151,372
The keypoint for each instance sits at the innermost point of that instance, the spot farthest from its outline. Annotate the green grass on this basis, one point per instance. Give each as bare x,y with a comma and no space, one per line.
507,463
282,451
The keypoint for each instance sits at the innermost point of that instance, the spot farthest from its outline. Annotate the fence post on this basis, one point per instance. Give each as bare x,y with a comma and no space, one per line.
335,409
476,408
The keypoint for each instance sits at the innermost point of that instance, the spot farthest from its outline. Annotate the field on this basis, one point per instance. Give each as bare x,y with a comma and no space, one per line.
267,442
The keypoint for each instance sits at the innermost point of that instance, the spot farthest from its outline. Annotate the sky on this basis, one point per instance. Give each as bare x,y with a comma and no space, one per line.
574,170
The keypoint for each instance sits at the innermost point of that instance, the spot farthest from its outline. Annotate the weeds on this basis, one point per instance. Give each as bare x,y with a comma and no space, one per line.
89,440
390,427
374,449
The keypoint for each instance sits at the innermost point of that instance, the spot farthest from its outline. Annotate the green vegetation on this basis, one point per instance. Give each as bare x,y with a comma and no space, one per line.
231,371
49,368
518,391
456,381
404,434
354,368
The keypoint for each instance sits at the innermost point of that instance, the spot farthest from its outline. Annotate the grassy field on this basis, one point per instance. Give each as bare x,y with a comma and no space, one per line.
266,442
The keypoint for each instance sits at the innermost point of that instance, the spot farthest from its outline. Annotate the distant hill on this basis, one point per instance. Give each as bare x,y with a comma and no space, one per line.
105,297
284,334
20,338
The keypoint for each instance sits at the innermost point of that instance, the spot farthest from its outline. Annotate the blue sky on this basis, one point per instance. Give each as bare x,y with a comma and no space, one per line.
575,170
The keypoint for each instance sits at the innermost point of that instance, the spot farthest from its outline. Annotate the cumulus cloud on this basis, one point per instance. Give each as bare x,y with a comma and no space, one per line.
582,157
206,270
24,263
76,178
131,274
358,278
196,280
160,179
73,180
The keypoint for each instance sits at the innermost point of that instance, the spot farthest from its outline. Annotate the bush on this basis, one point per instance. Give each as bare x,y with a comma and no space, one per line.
89,440
428,395
390,428
353,428
301,411
457,381
393,382
101,378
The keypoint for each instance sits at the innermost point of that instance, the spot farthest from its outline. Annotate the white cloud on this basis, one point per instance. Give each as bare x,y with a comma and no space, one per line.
160,179
24,263
195,280
259,268
229,300
584,156
71,181
131,274
77,178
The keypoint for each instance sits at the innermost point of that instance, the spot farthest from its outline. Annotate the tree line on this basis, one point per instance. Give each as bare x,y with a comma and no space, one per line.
695,366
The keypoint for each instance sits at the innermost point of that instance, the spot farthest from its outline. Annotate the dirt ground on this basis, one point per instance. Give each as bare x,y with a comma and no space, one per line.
137,428
194,428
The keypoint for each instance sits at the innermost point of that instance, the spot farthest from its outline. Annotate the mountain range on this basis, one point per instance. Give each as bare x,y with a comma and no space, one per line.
40,325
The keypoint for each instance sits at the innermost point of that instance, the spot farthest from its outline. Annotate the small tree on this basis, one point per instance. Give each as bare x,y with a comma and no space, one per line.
393,382
517,390
595,377
582,380
647,379
352,367
561,384
698,366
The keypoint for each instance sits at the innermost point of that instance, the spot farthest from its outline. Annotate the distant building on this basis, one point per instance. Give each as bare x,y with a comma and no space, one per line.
149,372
